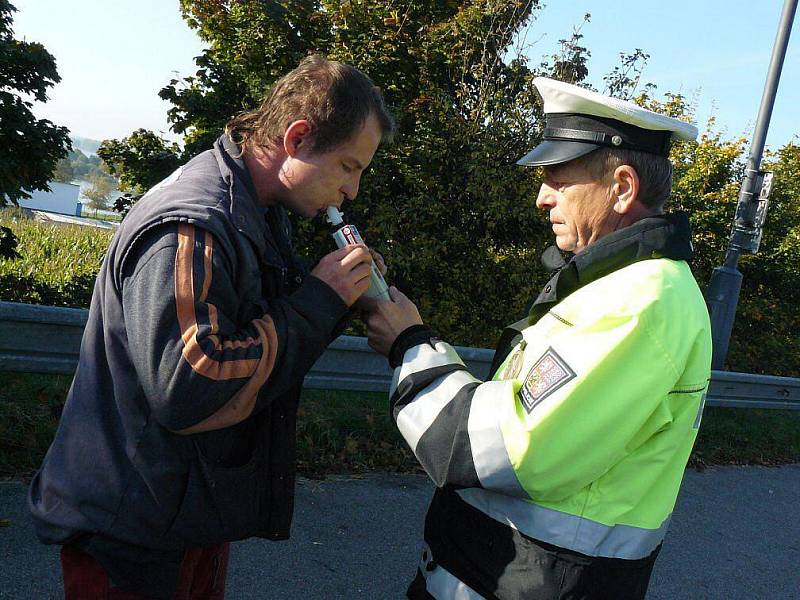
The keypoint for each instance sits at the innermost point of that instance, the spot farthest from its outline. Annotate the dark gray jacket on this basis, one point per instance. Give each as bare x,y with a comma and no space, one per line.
199,299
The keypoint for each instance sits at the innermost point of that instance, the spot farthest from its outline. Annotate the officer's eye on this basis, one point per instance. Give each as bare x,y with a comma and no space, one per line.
554,183
347,168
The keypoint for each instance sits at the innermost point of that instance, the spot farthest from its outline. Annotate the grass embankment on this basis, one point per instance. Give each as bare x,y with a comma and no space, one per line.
350,432
57,264
337,432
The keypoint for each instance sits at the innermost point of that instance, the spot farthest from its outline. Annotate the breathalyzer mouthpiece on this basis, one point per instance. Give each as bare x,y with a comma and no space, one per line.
334,215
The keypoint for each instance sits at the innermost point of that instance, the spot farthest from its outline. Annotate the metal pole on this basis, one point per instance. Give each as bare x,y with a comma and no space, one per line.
722,294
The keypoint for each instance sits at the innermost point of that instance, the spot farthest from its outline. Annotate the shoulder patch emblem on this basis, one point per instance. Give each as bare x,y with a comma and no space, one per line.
548,374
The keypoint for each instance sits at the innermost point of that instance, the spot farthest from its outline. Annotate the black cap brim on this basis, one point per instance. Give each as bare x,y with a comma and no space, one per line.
552,152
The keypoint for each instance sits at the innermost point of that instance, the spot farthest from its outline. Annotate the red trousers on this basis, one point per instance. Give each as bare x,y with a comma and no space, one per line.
203,572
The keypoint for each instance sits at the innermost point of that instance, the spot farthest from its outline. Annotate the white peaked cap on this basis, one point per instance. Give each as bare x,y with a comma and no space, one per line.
580,121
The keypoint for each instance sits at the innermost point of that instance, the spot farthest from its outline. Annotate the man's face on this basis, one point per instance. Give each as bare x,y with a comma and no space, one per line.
314,181
581,210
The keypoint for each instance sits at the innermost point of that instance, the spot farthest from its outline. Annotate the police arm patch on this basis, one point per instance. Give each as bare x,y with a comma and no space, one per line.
549,373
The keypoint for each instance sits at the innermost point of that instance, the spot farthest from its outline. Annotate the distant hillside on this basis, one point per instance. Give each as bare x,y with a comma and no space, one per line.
85,145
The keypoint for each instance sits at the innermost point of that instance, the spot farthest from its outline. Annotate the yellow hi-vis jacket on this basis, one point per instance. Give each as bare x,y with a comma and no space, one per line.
581,437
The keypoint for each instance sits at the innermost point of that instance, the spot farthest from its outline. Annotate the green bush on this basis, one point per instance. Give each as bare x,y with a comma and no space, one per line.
766,334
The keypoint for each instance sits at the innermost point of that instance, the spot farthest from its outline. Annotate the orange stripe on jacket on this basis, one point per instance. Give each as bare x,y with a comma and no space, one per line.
267,333
187,319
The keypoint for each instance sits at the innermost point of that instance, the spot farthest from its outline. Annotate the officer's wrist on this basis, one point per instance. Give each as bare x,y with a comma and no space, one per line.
408,338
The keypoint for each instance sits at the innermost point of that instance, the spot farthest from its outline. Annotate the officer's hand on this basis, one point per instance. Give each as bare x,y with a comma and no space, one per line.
346,270
378,260
386,320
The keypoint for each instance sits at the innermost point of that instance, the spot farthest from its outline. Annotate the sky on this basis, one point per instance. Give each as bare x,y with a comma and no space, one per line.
715,52
114,56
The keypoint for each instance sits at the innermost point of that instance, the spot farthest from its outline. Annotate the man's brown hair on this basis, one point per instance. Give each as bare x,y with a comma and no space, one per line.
336,99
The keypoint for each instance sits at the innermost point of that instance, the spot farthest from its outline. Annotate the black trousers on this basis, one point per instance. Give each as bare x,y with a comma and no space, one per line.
500,563
574,583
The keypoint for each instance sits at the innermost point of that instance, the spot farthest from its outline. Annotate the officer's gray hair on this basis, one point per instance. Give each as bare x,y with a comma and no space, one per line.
655,172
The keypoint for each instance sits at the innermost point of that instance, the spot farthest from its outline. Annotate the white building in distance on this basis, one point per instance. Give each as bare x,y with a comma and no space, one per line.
62,199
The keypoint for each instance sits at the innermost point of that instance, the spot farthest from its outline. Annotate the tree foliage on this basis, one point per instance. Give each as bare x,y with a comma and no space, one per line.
708,176
81,166
30,147
446,204
64,172
98,193
139,161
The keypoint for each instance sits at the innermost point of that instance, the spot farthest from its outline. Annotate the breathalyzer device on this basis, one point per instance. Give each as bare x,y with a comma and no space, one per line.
347,235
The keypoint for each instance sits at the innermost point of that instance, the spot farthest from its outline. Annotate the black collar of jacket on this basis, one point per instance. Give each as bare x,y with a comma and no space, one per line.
661,236
246,215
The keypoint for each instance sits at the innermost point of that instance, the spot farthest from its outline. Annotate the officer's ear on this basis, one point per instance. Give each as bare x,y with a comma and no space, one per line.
297,136
625,188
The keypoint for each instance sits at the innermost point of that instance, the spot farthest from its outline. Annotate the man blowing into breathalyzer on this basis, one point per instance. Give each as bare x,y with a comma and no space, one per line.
178,434
557,477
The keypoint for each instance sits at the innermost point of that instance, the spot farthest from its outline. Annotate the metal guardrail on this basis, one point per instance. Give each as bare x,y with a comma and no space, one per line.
350,364
40,339
46,339
744,390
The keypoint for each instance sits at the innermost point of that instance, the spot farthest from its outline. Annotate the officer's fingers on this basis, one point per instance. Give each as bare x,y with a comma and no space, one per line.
379,262
397,296
373,321
368,305
374,343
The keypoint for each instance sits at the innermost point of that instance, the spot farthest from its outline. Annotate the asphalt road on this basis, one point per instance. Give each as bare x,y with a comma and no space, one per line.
735,535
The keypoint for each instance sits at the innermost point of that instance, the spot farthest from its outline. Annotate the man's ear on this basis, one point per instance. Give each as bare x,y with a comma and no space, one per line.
626,188
297,136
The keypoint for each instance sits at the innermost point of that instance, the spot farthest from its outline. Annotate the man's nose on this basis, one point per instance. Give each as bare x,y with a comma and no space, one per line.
350,189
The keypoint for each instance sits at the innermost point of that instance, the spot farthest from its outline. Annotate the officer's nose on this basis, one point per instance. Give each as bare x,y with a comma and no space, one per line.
547,197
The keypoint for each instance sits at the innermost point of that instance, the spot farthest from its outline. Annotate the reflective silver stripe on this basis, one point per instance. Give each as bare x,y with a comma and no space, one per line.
443,585
565,530
416,416
395,380
423,357
486,439
699,416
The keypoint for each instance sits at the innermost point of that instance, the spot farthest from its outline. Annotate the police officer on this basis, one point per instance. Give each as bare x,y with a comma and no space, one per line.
557,477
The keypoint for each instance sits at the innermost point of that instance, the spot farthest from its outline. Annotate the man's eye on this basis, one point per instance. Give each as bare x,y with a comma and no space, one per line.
346,168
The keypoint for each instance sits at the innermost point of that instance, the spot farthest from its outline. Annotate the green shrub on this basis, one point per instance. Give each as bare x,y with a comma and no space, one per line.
708,174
